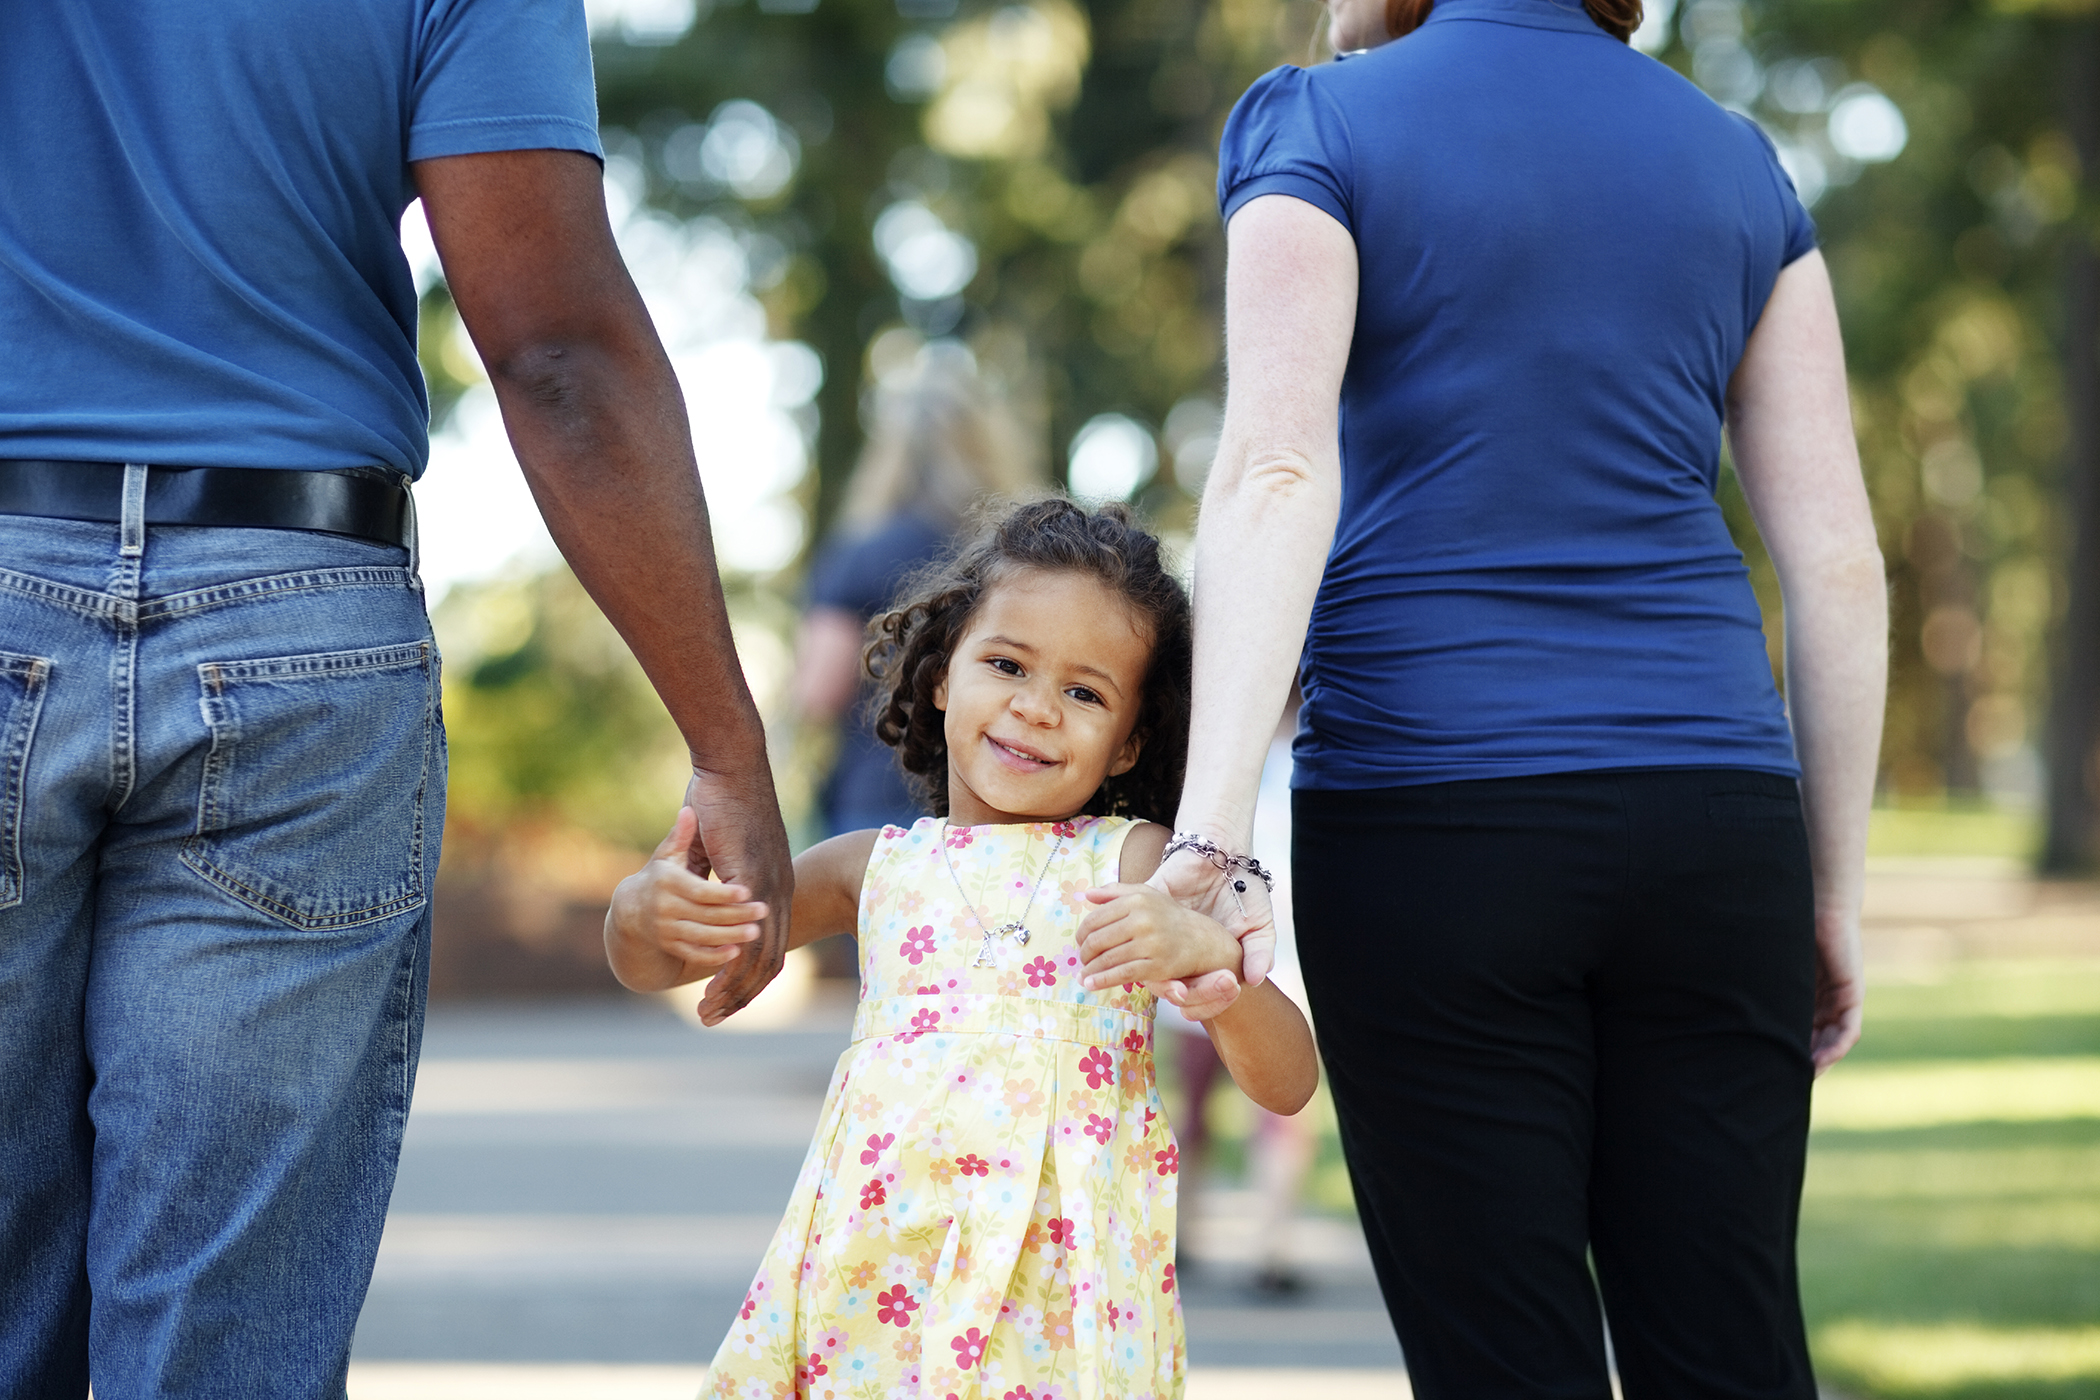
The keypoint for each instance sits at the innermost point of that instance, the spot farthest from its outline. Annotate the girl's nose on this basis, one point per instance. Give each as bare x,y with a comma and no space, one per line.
1035,705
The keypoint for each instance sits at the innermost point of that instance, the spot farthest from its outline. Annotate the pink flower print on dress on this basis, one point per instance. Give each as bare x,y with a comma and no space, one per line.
1099,1067
1167,1284
917,945
1133,1040
810,1370
969,1348
1067,830
1115,1317
959,837
970,1164
1100,1129
878,1143
895,1305
873,1194
1041,973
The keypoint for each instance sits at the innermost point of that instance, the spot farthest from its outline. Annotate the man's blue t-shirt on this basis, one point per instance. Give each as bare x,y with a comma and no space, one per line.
1563,248
200,261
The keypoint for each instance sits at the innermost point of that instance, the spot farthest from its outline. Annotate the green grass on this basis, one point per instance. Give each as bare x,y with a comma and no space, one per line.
1945,830
1950,1231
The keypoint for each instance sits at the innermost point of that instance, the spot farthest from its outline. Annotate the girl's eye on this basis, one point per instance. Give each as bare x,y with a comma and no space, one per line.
1081,693
1006,665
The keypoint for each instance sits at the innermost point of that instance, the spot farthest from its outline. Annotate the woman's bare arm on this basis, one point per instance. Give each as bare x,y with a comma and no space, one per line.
1790,429
1269,511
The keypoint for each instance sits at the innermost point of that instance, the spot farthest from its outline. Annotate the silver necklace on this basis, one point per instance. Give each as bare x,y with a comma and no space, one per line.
1015,929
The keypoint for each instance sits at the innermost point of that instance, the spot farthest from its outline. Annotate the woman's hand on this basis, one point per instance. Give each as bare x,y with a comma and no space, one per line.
668,926
1840,989
1135,933
1198,885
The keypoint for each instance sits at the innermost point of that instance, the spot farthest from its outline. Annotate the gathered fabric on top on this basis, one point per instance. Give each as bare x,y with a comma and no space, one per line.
988,1208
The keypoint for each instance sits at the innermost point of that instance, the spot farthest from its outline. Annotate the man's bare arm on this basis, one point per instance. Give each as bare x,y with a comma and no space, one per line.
598,422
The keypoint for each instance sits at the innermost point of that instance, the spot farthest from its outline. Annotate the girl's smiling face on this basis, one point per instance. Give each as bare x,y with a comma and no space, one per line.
1040,699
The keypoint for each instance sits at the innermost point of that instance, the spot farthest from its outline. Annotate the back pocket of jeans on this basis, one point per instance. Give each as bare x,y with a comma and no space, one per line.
22,680
311,808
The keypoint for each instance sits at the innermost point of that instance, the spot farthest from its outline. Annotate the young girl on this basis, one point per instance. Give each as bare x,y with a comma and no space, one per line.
988,1208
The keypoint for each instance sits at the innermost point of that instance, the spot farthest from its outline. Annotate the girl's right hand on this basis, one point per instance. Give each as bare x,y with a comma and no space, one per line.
1195,883
668,926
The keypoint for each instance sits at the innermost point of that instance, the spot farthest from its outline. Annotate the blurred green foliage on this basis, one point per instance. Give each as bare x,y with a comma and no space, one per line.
1948,265
548,718
1073,147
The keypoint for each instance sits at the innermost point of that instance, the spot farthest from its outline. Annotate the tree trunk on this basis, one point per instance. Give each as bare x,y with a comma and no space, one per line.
2074,711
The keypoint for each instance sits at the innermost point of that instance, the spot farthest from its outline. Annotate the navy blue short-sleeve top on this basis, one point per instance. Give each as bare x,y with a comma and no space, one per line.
1563,249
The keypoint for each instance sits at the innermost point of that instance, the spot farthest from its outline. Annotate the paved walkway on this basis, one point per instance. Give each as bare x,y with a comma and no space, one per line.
593,1183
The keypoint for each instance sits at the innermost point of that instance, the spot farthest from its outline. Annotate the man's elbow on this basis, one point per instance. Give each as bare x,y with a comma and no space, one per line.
548,375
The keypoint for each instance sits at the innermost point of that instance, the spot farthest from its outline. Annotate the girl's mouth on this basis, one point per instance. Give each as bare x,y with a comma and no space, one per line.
1020,758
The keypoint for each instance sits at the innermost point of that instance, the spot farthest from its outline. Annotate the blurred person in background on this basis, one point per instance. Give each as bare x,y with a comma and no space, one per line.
222,762
1577,894
1281,1149
940,445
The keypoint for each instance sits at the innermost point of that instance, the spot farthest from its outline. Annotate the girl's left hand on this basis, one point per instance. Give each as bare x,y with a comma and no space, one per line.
1134,933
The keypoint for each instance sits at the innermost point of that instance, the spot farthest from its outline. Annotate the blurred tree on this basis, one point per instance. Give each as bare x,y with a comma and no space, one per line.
2074,716
1939,135
1033,177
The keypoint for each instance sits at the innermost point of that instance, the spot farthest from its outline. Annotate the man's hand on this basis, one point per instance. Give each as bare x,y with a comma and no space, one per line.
1134,933
738,837
1841,991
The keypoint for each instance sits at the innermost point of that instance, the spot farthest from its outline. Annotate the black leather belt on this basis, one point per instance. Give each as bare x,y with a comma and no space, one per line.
369,503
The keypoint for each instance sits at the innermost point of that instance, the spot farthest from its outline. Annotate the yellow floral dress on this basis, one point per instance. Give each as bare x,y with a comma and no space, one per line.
987,1212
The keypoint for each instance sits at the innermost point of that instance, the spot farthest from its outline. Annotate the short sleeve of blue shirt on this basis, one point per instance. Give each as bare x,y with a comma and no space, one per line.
1285,137
201,237
503,77
1800,228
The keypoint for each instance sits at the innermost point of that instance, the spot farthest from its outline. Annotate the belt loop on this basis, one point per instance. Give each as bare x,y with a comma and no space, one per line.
133,527
415,537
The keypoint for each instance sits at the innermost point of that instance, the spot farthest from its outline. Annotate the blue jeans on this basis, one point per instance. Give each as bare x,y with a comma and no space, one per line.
222,778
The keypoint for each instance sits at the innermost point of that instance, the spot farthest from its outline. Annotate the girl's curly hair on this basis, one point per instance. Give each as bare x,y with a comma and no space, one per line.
911,644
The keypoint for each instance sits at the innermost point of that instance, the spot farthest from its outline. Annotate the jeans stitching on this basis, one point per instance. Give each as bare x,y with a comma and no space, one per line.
14,762
92,603
322,663
311,580
80,600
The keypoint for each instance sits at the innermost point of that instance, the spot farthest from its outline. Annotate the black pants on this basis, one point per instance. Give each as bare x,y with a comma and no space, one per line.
1566,1019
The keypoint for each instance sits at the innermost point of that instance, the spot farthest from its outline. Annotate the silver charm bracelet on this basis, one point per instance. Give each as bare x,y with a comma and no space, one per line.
1217,855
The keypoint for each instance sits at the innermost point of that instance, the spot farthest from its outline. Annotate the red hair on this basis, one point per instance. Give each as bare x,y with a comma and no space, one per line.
1618,18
